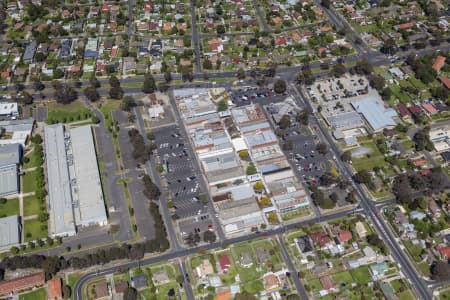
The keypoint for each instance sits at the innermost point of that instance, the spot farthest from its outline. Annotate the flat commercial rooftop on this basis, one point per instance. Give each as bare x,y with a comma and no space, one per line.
9,160
375,113
60,198
87,194
9,231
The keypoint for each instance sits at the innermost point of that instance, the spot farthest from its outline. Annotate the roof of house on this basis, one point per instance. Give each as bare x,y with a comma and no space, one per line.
224,295
444,251
22,283
327,283
120,287
403,110
446,155
415,109
54,288
320,238
139,281
304,244
345,236
101,290
224,262
445,81
270,280
438,63
430,108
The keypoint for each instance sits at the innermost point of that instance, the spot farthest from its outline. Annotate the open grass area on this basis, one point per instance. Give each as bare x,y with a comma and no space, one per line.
33,230
29,182
73,112
39,294
34,160
31,206
361,275
343,277
368,162
10,208
109,106
253,287
72,280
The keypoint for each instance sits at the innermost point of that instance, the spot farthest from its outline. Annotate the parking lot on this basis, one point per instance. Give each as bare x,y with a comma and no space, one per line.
263,95
182,178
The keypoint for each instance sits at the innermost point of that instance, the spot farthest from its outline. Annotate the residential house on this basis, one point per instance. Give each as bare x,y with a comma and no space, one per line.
378,270
225,264
101,290
271,282
444,251
404,112
345,236
262,255
388,291
304,244
215,281
120,287
224,295
360,229
328,284
204,269
439,62
321,238
160,277
434,209
429,108
246,260
55,289
139,281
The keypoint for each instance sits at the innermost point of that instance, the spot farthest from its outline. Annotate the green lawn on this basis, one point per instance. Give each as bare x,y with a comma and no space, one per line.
72,279
406,295
40,294
343,277
31,206
29,182
10,208
34,228
253,287
375,159
361,275
163,290
315,285
34,160
68,113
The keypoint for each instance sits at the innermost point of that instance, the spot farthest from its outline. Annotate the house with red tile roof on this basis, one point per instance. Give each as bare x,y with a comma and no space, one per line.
430,108
415,110
224,295
327,283
22,283
445,81
438,63
345,236
444,251
320,238
54,289
419,162
224,262
403,111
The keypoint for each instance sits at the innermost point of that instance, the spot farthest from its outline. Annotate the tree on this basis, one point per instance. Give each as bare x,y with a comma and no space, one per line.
240,74
251,169
440,93
24,98
149,85
285,122
377,82
114,81
280,86
272,218
127,103
295,296
220,29
346,156
91,93
243,154
440,270
258,186
130,293
322,148
14,250
64,93
209,236
303,117
265,201
364,177
207,64
222,105
67,292
116,92
94,82
338,70
326,4
422,140
167,76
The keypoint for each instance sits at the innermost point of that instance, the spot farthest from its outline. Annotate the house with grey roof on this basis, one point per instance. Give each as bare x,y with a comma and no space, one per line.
30,49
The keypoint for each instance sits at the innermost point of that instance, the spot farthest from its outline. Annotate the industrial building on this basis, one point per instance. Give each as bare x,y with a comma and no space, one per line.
87,192
10,232
74,187
60,198
16,131
10,158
